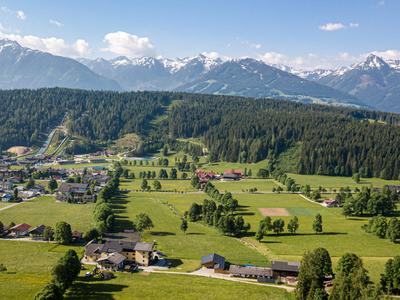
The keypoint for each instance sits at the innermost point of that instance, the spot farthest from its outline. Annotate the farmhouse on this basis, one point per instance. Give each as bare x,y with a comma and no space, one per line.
330,203
230,175
260,273
213,261
134,252
36,233
393,188
113,261
283,268
74,192
19,230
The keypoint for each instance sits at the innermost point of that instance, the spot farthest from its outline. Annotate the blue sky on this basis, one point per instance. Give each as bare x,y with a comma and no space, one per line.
303,34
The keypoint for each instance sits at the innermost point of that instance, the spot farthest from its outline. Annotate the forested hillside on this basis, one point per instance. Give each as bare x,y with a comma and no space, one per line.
332,140
26,115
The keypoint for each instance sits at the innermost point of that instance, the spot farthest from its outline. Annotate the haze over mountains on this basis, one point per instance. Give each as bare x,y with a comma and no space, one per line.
374,83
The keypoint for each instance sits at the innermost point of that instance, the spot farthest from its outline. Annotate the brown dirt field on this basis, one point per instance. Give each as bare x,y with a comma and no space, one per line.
274,212
18,150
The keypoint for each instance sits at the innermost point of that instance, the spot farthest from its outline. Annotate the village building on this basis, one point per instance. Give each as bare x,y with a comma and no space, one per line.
283,268
139,253
260,273
213,261
36,233
330,203
113,262
230,175
19,230
75,192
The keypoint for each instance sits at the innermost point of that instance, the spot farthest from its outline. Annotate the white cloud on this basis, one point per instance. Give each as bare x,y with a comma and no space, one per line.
332,26
56,23
337,26
257,46
53,45
274,58
21,15
123,43
391,54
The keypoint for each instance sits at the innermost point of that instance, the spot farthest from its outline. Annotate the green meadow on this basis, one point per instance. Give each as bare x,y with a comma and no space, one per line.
46,210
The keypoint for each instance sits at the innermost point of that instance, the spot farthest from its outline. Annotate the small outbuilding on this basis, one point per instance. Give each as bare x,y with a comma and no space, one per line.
213,261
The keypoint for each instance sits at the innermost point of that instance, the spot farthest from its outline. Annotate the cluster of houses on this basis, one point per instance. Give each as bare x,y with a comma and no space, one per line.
120,254
24,230
228,175
280,271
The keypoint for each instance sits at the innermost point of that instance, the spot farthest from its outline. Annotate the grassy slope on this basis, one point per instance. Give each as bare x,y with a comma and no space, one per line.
28,267
199,239
171,287
45,210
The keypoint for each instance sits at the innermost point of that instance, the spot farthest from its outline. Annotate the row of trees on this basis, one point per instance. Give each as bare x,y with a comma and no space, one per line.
382,227
63,275
369,202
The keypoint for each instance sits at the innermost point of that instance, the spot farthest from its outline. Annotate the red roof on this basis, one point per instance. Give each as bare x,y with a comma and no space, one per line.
21,227
232,171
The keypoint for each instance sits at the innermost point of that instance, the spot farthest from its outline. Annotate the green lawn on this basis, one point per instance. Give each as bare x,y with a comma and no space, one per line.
166,185
220,167
262,185
199,239
45,210
170,287
335,182
28,267
340,235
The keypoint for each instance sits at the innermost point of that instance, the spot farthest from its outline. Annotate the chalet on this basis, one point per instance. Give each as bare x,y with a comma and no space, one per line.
282,268
36,233
143,253
19,230
205,175
113,262
77,236
393,188
134,252
6,197
213,261
330,203
230,175
260,273
74,192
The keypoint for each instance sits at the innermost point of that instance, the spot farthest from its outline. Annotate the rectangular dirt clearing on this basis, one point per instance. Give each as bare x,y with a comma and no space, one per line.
274,212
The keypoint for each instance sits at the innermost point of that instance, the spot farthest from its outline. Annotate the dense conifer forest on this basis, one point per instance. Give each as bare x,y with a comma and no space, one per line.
332,140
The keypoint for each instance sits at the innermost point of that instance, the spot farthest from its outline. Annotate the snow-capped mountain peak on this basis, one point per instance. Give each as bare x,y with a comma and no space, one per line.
372,62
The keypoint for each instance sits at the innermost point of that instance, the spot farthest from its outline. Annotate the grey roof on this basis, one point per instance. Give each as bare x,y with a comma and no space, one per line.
109,246
37,230
250,271
114,258
218,260
140,246
281,265
66,187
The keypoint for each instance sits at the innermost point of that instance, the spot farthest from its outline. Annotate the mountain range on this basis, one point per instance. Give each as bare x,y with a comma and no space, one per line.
373,83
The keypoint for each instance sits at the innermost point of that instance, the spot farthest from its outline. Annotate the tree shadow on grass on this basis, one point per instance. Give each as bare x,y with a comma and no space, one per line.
244,213
162,233
82,289
270,242
174,262
121,223
194,233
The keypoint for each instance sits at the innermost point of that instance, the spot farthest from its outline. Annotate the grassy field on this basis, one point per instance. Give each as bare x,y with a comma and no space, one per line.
335,182
340,235
220,167
187,248
262,185
170,287
45,210
28,267
166,185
